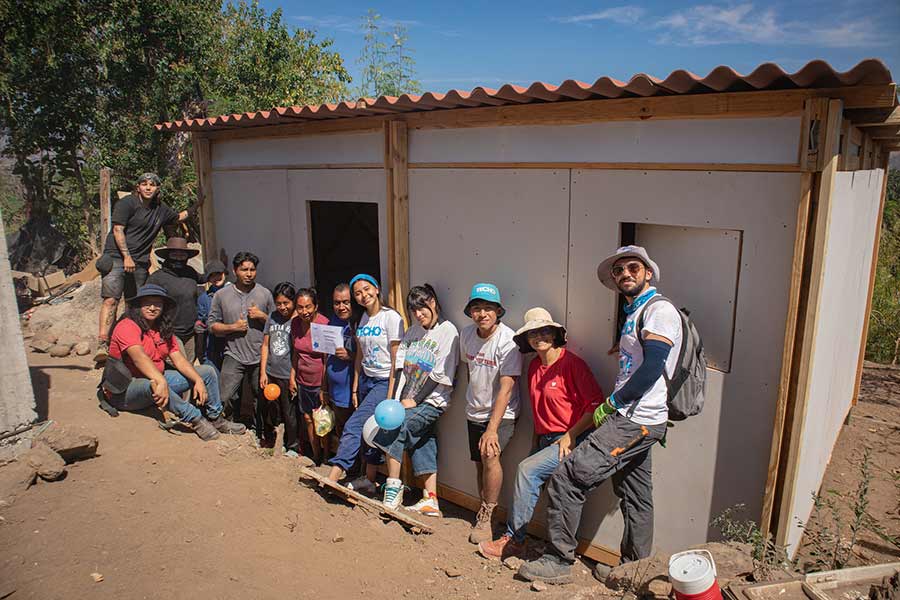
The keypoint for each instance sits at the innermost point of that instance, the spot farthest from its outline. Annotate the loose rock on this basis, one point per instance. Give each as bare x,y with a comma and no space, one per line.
72,444
49,465
513,563
452,572
15,478
538,586
81,349
42,342
337,539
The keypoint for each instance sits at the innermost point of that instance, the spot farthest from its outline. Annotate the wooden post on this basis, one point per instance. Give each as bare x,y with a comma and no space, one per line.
105,205
202,160
396,169
828,157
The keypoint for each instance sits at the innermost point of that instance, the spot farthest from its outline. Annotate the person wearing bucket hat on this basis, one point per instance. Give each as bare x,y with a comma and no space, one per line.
210,349
628,424
125,262
180,280
564,395
143,340
494,364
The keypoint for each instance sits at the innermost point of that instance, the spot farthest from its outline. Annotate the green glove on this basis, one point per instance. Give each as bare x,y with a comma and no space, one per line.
603,411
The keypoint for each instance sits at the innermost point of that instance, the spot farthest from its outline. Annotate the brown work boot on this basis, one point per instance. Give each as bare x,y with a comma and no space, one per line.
205,430
481,529
501,549
223,425
102,352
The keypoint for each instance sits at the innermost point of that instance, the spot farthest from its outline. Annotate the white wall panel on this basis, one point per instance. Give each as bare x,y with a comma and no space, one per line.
266,212
770,141
848,254
719,458
345,148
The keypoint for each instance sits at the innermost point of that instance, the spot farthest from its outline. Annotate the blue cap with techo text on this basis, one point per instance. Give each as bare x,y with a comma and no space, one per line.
484,291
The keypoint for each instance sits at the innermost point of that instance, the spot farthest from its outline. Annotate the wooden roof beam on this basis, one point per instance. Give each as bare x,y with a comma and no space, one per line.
874,117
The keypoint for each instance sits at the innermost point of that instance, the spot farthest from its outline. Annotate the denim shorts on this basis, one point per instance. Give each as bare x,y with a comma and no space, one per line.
417,436
116,282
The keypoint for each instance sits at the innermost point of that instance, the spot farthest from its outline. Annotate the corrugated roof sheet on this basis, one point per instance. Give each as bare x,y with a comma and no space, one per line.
767,76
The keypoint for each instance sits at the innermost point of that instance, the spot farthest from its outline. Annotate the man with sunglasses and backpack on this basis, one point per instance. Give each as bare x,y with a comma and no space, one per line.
628,423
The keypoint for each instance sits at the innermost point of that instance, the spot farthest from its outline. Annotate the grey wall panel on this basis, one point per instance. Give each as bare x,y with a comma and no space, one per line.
772,141
848,254
345,148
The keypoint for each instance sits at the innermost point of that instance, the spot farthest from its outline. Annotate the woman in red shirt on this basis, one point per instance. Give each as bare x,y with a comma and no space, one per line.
143,340
308,367
564,395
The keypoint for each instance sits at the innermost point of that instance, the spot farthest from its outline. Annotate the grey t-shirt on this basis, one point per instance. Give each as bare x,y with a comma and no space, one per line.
229,305
279,331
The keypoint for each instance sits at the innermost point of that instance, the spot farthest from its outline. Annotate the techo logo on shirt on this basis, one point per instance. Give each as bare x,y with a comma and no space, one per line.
369,331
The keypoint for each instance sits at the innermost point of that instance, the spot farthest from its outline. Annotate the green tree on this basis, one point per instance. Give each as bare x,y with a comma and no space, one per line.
883,343
388,68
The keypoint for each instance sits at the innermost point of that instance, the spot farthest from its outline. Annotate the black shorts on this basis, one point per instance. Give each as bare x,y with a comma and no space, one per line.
308,399
504,434
115,282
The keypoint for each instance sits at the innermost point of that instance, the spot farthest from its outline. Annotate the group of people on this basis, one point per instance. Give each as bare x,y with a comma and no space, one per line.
251,337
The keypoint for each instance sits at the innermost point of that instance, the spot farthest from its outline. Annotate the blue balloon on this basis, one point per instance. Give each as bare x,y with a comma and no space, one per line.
389,414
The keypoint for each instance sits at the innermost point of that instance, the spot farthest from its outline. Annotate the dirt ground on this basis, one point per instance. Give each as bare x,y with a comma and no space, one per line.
164,515
874,423
168,516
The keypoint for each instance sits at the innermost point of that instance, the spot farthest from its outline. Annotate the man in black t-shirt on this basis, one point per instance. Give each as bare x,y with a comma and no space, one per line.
136,221
181,281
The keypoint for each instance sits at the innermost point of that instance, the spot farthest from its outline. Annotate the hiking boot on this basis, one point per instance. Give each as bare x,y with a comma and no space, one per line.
601,572
481,529
205,430
427,506
223,425
501,548
102,352
548,568
393,493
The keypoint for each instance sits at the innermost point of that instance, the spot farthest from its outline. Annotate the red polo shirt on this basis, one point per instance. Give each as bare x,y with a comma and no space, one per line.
561,393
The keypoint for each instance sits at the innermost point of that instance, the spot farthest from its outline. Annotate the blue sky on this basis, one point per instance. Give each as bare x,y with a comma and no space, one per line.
463,44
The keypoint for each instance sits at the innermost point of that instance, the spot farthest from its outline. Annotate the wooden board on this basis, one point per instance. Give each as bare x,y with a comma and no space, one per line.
353,497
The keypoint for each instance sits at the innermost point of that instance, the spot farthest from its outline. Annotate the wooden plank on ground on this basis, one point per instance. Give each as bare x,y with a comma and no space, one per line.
354,497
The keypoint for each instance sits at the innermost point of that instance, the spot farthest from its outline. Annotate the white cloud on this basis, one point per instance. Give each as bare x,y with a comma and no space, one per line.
708,24
624,15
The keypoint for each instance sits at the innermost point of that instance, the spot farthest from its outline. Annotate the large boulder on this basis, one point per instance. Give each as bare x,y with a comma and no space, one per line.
43,341
49,465
71,443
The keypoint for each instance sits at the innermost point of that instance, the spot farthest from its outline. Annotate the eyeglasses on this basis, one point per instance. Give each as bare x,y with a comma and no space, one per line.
633,268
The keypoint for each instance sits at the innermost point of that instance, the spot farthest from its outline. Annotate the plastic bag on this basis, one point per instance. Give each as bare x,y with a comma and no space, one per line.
323,419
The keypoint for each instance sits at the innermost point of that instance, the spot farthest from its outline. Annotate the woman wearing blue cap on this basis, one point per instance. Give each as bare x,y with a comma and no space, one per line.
378,336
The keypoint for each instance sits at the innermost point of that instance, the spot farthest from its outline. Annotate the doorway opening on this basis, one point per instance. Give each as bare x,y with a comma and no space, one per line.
344,238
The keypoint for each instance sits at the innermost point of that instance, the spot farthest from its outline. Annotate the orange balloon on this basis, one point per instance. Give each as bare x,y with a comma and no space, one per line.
272,391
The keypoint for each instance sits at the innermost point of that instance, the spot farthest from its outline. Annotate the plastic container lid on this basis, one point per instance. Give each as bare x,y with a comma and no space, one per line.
692,572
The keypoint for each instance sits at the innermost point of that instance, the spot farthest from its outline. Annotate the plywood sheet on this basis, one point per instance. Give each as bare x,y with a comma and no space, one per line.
848,254
506,227
719,458
345,148
768,141
707,280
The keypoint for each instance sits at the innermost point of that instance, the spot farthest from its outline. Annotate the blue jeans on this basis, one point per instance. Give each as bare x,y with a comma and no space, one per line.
416,436
138,396
370,393
531,475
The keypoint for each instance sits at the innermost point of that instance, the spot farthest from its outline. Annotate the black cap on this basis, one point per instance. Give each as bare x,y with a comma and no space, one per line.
213,266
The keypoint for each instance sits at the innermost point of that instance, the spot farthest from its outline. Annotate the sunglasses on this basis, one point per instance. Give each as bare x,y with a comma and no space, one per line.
633,268
542,332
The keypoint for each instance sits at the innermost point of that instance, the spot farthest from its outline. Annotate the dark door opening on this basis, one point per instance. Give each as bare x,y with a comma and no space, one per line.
344,243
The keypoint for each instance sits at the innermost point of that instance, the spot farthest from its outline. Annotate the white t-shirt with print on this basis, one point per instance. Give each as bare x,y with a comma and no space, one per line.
375,335
662,319
488,360
425,354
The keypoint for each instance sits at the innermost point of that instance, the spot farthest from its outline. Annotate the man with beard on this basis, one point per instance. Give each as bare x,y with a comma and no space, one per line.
125,262
629,422
180,281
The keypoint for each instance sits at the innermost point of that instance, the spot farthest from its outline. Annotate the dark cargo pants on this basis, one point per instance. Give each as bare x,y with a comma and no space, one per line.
619,449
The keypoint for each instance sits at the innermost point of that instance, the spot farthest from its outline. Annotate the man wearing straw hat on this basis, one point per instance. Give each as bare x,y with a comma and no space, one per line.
181,281
629,422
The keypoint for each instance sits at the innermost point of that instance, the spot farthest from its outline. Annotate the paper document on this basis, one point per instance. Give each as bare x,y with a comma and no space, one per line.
326,338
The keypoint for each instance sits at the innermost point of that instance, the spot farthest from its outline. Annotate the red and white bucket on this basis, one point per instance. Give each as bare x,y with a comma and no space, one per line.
693,576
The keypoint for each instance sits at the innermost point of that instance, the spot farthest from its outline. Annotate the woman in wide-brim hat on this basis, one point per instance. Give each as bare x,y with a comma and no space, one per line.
564,395
143,340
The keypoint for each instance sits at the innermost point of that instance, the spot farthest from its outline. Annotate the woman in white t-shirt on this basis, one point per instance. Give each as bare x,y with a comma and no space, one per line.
426,368
378,336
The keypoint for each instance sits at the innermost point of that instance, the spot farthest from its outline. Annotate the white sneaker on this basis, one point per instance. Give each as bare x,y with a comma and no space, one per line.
393,493
427,506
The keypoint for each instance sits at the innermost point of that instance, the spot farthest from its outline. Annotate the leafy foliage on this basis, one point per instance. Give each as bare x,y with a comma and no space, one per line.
82,82
883,344
388,67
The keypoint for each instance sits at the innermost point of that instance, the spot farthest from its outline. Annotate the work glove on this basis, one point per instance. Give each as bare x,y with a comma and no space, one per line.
603,411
